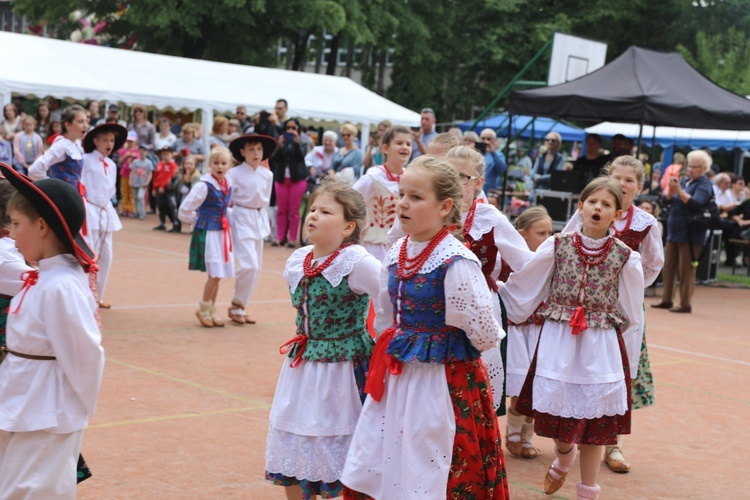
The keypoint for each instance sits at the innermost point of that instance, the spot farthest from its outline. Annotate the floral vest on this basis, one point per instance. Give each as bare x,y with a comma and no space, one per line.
381,212
486,251
333,320
213,209
68,170
422,334
600,287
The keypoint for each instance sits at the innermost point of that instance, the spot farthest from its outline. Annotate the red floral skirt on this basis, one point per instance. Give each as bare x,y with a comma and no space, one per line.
478,466
597,431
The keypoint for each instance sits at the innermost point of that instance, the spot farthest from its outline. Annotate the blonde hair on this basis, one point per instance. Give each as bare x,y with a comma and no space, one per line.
29,118
218,122
190,127
445,139
606,184
352,202
219,151
348,127
471,155
445,184
530,216
702,157
627,161
191,158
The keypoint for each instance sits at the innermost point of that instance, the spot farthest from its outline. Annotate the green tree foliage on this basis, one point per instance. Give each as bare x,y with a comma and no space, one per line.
447,54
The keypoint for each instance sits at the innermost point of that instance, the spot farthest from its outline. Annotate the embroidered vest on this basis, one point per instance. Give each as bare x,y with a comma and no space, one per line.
333,319
486,251
68,170
213,209
633,238
381,212
600,286
422,333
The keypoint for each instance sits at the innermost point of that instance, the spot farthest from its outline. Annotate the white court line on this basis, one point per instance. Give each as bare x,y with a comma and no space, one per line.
192,304
727,360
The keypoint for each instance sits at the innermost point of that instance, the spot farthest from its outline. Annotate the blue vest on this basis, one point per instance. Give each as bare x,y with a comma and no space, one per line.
422,333
213,209
68,170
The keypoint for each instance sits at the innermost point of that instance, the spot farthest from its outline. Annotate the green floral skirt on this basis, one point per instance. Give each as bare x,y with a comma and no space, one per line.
642,388
197,260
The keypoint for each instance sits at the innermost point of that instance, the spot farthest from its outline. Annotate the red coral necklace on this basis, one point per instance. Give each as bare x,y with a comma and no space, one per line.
307,264
408,268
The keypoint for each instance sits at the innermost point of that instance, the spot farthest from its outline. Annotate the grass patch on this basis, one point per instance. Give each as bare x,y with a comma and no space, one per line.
737,279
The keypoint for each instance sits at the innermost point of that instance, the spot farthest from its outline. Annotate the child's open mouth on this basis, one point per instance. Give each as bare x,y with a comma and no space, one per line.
596,217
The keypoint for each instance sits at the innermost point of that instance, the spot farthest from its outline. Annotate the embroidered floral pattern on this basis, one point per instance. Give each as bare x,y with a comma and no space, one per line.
478,466
600,287
486,251
643,385
423,335
336,321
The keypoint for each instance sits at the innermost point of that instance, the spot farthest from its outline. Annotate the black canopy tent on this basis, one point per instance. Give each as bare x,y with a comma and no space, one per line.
641,86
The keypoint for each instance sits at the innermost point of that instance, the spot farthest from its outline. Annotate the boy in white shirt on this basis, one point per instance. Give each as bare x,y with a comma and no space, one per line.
251,193
53,365
99,175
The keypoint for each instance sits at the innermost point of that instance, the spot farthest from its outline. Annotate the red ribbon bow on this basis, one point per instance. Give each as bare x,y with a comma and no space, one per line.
106,166
578,321
29,279
227,237
82,192
379,363
301,341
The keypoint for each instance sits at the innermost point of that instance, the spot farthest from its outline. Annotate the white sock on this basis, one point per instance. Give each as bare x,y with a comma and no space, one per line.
515,425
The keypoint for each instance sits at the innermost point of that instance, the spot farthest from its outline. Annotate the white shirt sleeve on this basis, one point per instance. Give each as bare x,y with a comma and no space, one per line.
192,201
55,154
395,233
652,255
383,305
574,224
364,278
76,341
10,276
511,245
529,287
364,185
630,305
468,304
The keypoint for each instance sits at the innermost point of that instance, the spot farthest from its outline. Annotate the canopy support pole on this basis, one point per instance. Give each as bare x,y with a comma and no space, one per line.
5,99
207,118
640,139
653,154
363,143
506,151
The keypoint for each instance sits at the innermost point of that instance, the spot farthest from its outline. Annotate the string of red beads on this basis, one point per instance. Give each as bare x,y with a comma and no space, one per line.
592,256
408,267
307,263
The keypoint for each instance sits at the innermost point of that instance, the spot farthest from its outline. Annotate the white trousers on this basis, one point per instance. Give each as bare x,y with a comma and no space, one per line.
38,464
249,255
101,243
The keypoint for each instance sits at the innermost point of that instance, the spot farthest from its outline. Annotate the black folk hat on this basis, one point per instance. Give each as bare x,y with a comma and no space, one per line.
268,143
61,207
121,133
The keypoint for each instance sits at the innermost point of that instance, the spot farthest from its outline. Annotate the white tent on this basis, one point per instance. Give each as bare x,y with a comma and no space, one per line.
31,65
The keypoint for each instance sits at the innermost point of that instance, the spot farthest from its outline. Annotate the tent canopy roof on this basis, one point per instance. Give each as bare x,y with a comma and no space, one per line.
671,136
42,66
541,126
640,86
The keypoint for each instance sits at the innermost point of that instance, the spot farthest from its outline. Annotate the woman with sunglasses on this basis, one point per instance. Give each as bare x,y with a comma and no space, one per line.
144,128
290,182
547,162
346,164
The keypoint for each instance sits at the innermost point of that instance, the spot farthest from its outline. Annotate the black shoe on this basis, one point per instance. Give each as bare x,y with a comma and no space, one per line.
175,229
160,227
151,212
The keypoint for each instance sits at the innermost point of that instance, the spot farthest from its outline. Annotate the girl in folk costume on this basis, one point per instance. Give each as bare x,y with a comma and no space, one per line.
379,186
12,264
64,159
640,231
99,175
251,192
327,361
428,429
535,226
578,385
211,245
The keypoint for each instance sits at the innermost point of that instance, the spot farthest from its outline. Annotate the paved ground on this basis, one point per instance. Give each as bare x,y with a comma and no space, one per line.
183,409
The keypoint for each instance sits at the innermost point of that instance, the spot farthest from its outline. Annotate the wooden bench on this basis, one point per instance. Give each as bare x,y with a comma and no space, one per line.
745,246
